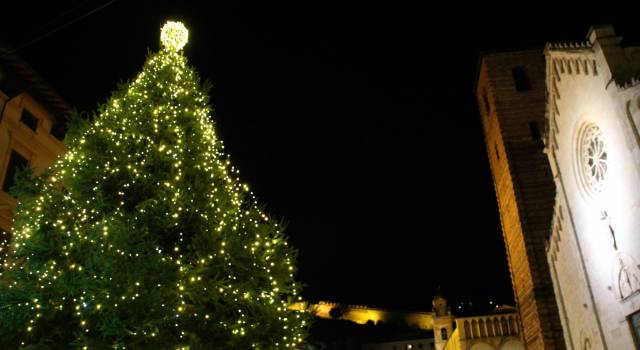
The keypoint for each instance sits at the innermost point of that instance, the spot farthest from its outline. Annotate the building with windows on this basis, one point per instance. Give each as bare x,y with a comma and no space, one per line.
439,329
494,330
569,193
32,123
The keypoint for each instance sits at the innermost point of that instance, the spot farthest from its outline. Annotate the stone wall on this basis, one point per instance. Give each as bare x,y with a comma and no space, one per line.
363,314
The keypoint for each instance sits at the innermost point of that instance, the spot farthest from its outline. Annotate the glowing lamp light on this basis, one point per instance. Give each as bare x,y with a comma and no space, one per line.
174,36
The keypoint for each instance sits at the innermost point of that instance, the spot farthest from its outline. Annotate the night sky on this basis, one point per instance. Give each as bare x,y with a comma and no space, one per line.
356,126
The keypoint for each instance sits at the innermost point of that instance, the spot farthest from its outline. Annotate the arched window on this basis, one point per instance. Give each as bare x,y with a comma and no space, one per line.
17,162
505,326
474,328
512,325
586,345
490,332
520,79
443,333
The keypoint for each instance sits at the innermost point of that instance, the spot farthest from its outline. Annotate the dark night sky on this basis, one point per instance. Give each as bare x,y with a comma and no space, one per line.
355,125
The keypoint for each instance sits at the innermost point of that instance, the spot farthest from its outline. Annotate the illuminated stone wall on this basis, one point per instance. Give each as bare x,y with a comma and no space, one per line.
511,96
363,314
594,251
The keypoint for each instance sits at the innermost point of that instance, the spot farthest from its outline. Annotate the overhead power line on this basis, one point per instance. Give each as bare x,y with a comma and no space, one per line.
59,28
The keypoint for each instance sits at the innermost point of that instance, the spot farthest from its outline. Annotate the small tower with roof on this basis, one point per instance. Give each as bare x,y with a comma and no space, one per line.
442,320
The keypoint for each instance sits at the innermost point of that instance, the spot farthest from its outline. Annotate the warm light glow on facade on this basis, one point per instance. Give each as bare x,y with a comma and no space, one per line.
363,314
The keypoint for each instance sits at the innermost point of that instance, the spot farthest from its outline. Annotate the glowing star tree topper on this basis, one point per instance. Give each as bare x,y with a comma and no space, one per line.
174,36
143,236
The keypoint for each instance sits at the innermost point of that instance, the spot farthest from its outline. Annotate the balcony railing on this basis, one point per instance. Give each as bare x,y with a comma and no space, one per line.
503,325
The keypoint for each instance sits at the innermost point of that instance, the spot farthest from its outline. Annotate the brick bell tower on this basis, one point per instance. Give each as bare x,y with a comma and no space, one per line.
510,92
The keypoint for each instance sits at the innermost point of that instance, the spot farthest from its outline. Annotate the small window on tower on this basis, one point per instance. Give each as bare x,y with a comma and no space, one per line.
520,79
29,120
59,128
497,151
535,131
15,162
485,98
443,333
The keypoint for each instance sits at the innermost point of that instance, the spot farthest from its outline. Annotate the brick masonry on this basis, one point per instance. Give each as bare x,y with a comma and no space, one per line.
513,122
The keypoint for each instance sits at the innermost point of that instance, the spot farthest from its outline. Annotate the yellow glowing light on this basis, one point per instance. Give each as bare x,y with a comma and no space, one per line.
174,36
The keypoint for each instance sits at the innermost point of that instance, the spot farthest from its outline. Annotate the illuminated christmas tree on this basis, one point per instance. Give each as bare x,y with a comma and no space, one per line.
142,235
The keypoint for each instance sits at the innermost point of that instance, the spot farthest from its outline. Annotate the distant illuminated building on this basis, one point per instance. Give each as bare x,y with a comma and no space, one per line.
494,330
587,96
443,321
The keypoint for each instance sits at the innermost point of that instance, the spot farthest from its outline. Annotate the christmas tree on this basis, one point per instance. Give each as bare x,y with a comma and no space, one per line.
142,235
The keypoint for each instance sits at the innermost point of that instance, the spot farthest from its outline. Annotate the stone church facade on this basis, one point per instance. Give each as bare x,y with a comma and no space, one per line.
589,231
593,146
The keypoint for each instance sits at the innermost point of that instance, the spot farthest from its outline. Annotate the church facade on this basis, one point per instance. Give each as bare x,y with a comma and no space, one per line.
591,148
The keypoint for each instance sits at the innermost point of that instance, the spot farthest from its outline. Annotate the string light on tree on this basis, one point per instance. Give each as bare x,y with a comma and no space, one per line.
143,236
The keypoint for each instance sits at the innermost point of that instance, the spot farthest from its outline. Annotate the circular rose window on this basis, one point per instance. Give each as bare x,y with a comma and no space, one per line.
592,158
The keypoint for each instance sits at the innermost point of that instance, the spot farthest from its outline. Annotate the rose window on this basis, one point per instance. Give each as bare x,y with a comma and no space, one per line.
593,158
